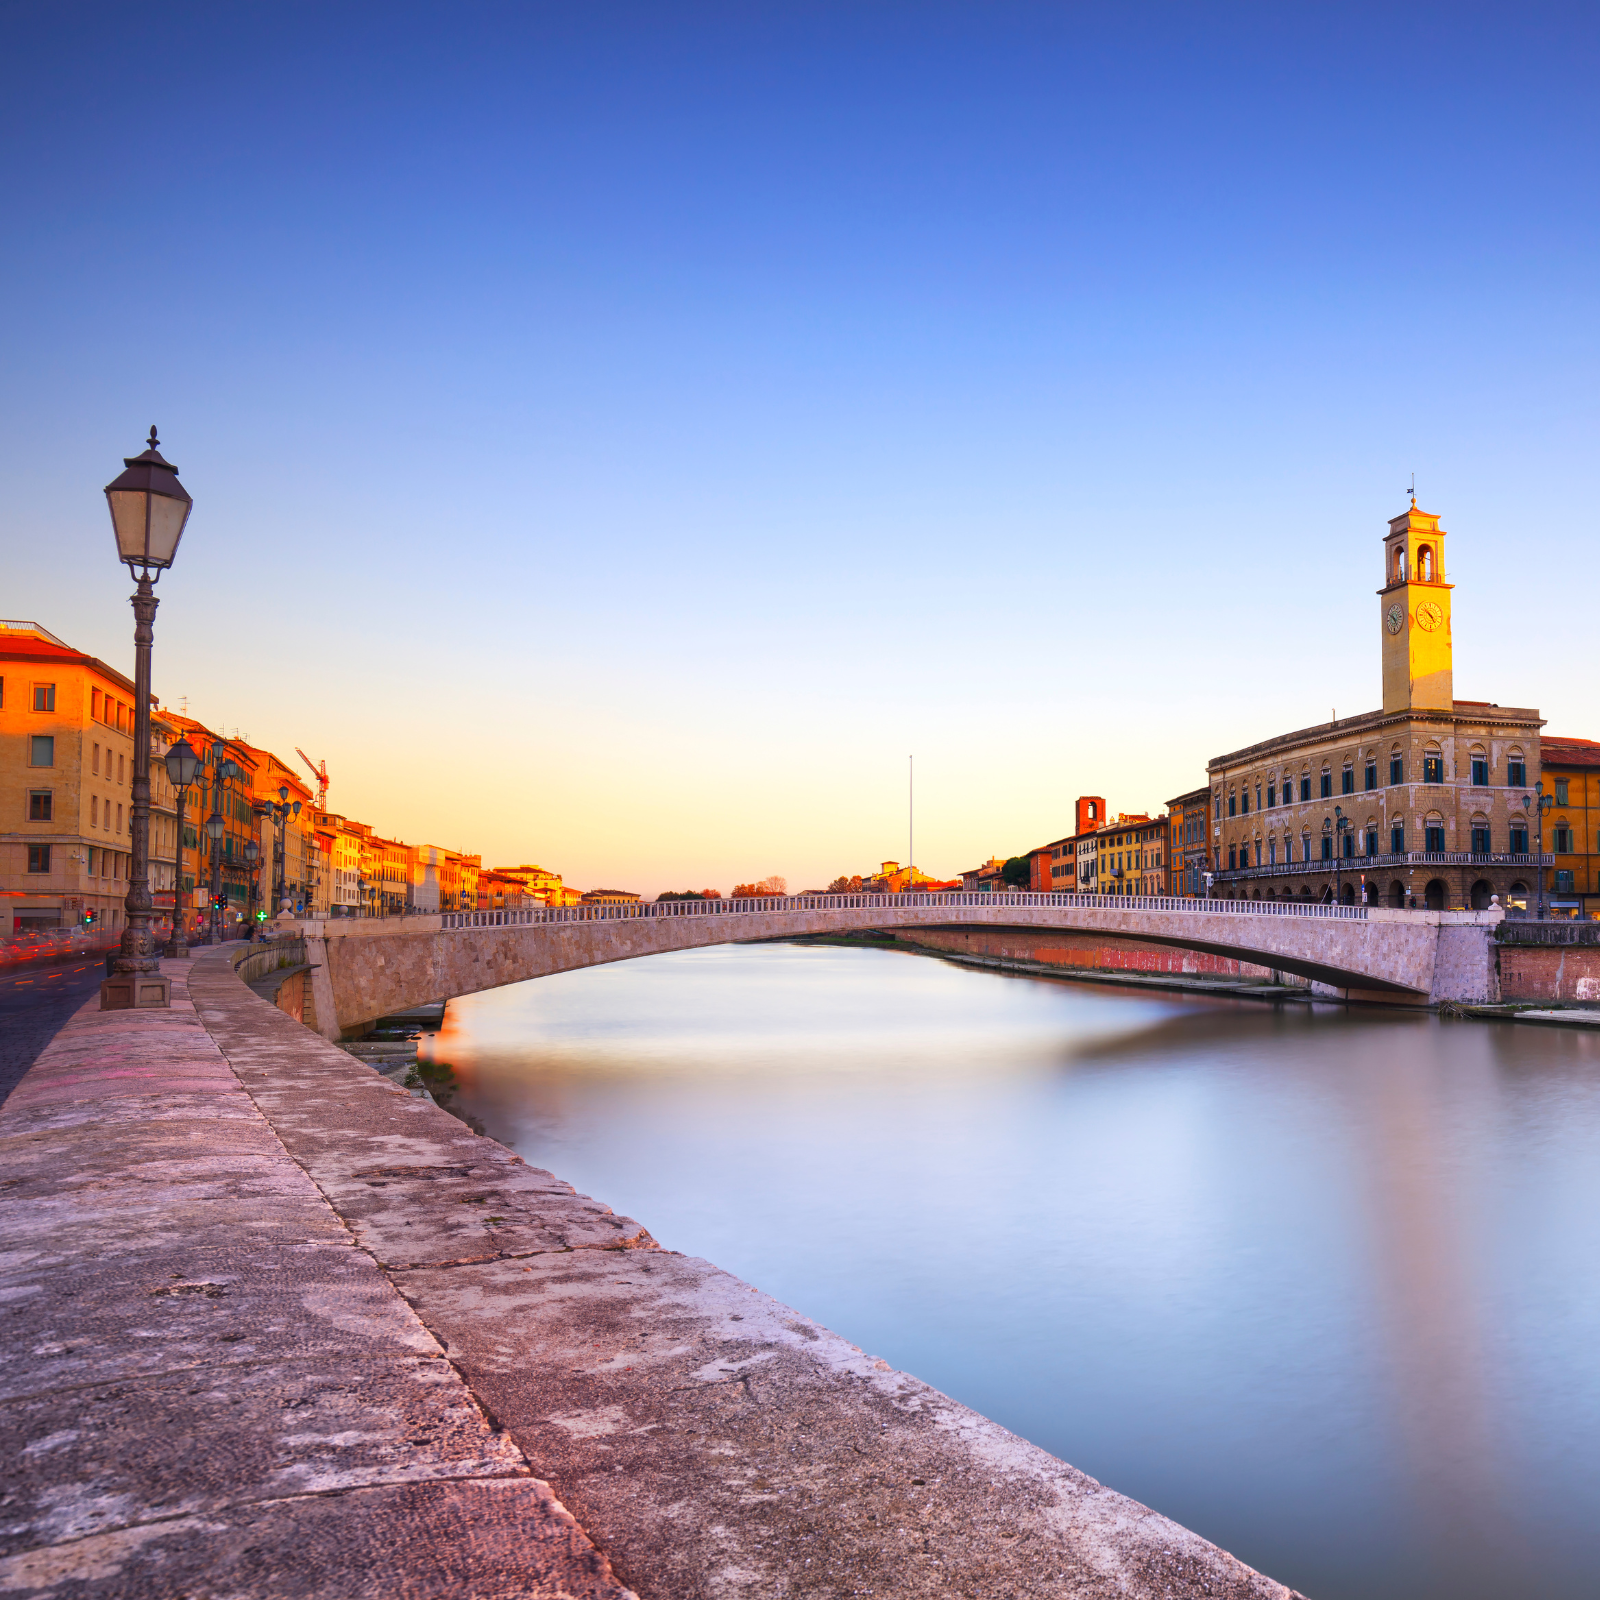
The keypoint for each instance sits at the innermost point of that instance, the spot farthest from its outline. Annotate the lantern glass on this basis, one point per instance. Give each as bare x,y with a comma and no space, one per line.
215,826
149,508
252,852
183,765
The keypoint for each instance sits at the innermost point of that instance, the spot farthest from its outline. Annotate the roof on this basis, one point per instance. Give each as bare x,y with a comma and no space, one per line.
1557,752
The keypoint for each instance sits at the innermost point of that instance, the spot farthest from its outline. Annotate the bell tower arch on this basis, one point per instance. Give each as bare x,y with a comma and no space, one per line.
1414,605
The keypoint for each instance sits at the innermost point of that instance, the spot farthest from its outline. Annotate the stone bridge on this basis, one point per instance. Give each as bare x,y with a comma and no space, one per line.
366,968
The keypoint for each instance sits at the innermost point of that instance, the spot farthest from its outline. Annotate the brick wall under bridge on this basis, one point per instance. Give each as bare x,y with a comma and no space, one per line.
368,967
1087,952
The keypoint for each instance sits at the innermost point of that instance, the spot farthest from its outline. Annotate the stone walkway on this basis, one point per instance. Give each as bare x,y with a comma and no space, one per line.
278,1328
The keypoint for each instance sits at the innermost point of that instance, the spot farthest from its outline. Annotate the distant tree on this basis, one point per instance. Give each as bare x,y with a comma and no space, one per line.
688,894
846,885
766,889
710,894
1015,874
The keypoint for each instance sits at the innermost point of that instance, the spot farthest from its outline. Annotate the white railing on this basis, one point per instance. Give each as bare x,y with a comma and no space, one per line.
533,916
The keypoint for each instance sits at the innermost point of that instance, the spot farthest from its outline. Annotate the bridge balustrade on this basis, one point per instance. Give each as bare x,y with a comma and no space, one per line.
954,899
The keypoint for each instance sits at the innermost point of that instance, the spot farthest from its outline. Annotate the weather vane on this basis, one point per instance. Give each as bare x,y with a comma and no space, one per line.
1413,489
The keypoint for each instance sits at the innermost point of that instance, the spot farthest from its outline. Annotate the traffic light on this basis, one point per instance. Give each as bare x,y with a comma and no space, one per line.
219,902
88,918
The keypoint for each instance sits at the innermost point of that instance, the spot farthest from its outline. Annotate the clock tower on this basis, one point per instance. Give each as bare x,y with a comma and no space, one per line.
1415,604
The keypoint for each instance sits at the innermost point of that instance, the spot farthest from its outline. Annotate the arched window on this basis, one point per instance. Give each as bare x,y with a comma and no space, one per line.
1425,563
1433,832
1433,764
1516,768
1399,563
1480,767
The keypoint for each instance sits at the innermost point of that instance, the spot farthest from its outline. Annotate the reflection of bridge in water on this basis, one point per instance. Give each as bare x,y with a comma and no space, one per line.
369,967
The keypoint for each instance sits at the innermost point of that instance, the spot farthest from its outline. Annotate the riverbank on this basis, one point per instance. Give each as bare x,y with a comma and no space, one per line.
280,1327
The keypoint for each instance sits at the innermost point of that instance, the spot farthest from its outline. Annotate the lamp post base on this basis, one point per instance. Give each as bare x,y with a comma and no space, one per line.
136,991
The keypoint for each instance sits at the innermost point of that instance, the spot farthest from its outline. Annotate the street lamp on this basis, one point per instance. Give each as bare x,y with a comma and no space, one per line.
183,767
1341,826
1538,809
149,508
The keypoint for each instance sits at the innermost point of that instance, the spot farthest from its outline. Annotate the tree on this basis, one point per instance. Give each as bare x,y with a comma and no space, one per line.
846,885
768,888
1015,873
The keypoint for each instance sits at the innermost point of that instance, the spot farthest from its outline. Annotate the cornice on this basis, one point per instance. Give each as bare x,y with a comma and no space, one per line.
1374,721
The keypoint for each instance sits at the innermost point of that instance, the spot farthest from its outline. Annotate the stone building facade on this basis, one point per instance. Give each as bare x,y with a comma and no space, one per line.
1428,801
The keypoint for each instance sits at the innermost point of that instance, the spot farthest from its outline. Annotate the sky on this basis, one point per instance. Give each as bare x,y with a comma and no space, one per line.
622,434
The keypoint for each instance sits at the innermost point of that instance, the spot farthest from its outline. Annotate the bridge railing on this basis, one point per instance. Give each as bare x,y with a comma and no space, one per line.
527,916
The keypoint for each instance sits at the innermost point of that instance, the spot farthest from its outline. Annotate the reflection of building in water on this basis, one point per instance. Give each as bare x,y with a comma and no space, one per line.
1423,1219
1419,802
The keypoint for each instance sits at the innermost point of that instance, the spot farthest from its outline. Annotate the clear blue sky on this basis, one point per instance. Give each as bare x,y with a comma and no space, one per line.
620,433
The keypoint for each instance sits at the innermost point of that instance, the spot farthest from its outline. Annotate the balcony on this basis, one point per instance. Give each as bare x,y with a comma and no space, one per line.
1411,858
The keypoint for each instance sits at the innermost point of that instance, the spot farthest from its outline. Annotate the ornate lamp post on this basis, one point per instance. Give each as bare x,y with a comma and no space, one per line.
281,812
1341,826
252,858
149,508
183,767
215,828
1538,808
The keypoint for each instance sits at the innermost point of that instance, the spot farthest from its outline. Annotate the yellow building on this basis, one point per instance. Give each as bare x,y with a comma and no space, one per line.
1571,826
1417,803
1131,855
340,849
66,760
540,884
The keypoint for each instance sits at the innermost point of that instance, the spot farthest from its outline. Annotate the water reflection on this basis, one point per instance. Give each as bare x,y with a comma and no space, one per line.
1319,1284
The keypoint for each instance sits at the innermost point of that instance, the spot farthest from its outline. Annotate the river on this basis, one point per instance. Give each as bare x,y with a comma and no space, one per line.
1318,1283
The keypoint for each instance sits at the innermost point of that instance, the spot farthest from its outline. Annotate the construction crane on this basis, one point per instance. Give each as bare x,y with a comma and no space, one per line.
319,770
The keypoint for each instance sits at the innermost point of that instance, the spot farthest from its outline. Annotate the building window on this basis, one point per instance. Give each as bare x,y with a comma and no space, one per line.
1517,773
1480,772
1561,792
38,858
1372,841
1480,840
1563,883
1372,775
1519,839
119,821
1305,790
39,805
1349,845
1563,845
1258,852
1397,839
1272,852
1233,805
44,697
42,750
1305,847
1272,795
1327,785
1432,768
1433,838
1244,800
1347,781
1233,858
1327,847
1397,769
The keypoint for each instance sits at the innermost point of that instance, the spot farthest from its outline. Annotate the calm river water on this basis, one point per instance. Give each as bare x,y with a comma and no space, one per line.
1320,1284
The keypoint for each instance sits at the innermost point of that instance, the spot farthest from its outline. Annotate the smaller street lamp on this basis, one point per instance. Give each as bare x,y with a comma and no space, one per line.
1538,808
183,767
1341,826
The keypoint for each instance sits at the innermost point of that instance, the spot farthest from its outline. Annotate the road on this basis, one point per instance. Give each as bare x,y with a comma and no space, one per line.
34,1002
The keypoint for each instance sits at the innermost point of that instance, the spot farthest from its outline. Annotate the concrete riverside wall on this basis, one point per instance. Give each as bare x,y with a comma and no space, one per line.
278,1328
379,965
1083,951
1549,972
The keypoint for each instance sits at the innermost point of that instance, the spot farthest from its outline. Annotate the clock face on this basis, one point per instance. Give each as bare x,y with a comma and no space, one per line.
1396,618
1429,616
